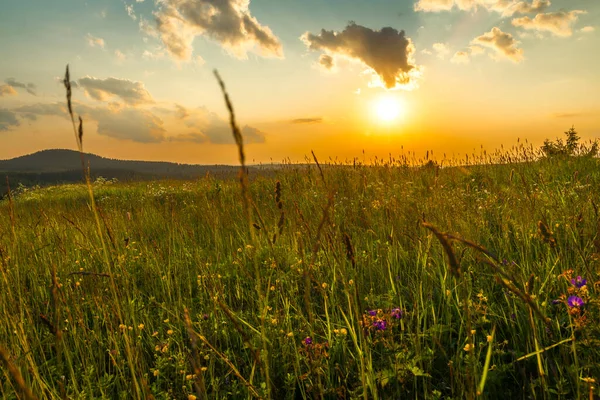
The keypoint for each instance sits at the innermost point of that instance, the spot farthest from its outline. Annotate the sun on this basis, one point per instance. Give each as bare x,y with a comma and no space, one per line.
388,108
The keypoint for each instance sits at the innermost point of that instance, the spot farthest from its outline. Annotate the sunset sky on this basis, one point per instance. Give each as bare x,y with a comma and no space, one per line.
334,76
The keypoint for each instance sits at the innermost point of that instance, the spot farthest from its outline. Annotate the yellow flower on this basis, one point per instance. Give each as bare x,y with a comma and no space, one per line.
156,372
170,332
189,377
468,347
141,326
343,332
324,285
192,397
166,321
489,338
290,334
351,282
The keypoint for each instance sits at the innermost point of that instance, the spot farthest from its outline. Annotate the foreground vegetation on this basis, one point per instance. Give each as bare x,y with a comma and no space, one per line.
332,283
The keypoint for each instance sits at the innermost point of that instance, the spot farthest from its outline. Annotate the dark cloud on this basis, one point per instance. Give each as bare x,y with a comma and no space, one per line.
387,52
29,87
8,119
559,23
504,44
326,61
131,92
316,120
227,22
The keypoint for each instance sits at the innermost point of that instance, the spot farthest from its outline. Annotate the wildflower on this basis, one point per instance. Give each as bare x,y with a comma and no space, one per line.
290,334
189,377
324,285
579,282
372,313
307,341
489,338
351,282
468,347
170,332
380,325
192,397
141,326
343,332
396,313
156,372
574,301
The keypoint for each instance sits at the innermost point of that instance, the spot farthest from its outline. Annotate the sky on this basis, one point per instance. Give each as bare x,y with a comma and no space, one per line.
342,78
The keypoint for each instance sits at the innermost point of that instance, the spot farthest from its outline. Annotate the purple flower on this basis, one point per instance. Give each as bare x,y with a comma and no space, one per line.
574,301
396,313
579,282
308,341
380,325
556,301
372,313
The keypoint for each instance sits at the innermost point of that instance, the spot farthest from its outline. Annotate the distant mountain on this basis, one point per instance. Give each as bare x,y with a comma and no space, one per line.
49,167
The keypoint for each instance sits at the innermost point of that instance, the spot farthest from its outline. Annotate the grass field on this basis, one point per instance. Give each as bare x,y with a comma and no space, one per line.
381,281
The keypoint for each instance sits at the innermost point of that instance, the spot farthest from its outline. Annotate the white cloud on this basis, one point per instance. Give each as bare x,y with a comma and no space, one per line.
559,23
441,50
95,41
506,7
587,29
120,56
228,22
130,11
387,52
504,44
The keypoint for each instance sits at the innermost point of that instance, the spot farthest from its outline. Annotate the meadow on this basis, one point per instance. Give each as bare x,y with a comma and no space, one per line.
402,278
334,282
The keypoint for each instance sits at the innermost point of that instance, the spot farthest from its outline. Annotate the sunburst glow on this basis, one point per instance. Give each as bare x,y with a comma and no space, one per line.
388,108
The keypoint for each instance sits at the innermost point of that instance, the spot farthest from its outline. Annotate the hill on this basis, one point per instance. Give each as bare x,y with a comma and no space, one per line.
48,167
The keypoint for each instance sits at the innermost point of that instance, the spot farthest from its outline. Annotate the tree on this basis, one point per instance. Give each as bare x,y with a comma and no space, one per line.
570,147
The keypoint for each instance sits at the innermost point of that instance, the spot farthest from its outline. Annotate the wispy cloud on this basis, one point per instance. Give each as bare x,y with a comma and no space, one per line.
130,11
587,29
504,44
460,57
228,22
131,92
8,119
120,56
505,7
94,41
576,114
387,52
558,23
315,120
29,87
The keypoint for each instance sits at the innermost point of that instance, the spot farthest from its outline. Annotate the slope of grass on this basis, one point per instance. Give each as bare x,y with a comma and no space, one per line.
335,290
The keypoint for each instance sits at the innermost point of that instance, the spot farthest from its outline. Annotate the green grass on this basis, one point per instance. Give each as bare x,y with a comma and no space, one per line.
73,326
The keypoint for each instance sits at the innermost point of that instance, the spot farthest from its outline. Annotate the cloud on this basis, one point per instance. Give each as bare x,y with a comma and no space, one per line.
130,11
387,52
326,61
434,5
58,109
316,120
587,29
8,119
29,87
506,7
208,127
559,23
7,90
460,57
504,44
523,7
120,56
94,41
576,114
127,124
441,49
147,27
228,22
131,92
